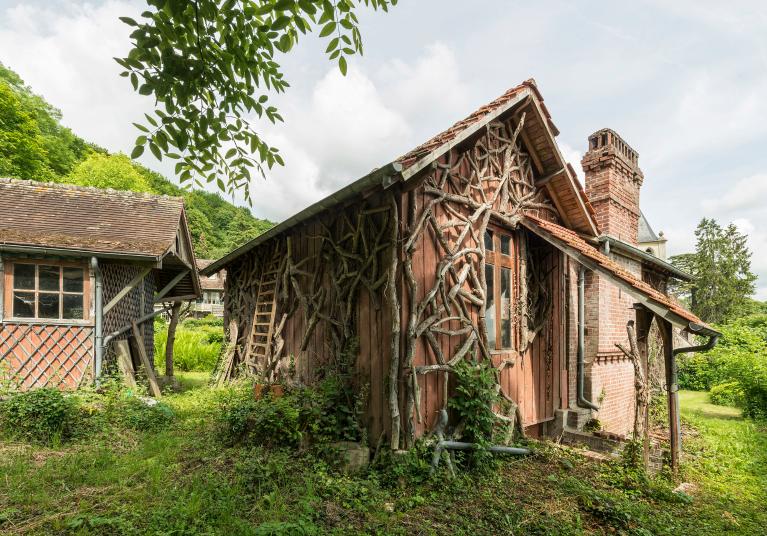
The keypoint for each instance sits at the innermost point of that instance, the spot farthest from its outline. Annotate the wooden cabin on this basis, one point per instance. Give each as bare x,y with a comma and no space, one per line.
78,266
469,245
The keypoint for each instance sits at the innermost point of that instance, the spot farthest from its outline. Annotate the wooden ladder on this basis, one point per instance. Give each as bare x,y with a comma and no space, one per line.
262,327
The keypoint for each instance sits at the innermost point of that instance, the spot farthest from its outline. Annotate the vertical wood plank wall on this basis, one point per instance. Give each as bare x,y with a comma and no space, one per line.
373,329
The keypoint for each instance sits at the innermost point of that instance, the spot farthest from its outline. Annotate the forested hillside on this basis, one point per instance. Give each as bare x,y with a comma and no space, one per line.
34,145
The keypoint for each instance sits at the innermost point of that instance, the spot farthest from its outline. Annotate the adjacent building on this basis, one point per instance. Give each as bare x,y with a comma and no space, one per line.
77,267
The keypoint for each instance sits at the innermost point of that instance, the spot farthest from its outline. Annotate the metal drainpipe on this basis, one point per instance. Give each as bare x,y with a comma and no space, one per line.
582,401
712,340
99,314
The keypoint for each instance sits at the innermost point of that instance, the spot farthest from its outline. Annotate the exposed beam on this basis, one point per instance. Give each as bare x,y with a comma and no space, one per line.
167,288
127,289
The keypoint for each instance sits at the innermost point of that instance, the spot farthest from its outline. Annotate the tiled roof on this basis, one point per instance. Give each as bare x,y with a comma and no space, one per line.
211,282
87,219
445,136
572,240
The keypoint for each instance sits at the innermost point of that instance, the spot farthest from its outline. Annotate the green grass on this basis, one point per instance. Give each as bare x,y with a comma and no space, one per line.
727,457
184,480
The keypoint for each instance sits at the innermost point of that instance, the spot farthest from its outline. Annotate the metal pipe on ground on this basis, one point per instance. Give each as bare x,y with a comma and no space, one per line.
444,444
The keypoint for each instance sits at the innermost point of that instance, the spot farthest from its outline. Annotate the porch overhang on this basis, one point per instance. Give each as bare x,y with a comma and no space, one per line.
575,247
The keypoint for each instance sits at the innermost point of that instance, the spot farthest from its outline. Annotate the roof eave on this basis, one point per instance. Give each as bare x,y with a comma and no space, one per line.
79,252
384,176
644,256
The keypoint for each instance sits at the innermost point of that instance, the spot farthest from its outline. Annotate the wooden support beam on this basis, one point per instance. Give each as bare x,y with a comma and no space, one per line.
127,289
154,386
672,391
167,288
643,323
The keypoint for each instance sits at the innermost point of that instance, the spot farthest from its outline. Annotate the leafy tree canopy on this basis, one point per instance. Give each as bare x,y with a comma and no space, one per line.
211,66
22,150
115,171
722,283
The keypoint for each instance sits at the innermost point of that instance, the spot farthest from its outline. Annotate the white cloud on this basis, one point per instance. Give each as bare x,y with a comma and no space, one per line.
429,88
747,193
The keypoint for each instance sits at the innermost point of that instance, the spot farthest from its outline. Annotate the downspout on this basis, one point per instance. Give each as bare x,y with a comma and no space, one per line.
99,320
674,387
581,373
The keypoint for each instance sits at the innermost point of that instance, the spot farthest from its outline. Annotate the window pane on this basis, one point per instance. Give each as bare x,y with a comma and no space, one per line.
48,305
73,279
490,306
505,308
73,306
49,278
505,245
24,276
24,304
489,240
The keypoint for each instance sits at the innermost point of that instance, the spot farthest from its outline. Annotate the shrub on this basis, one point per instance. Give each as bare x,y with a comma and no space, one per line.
138,414
197,346
726,394
698,371
269,421
42,415
475,394
742,353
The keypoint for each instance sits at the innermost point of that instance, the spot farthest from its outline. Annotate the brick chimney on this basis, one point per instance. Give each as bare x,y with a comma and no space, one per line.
613,179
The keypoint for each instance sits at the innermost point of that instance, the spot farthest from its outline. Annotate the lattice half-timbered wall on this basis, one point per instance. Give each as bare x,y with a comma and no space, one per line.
138,302
40,355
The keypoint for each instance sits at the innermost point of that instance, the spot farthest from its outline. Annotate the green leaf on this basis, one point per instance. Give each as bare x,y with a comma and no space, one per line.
342,65
129,21
328,29
155,151
281,23
138,150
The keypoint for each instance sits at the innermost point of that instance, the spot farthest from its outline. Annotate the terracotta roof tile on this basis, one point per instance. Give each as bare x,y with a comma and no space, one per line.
571,239
64,216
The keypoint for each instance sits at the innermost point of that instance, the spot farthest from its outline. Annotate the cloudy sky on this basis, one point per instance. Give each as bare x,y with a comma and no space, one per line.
684,82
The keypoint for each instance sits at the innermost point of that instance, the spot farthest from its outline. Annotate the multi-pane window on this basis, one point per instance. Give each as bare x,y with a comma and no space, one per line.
498,277
48,291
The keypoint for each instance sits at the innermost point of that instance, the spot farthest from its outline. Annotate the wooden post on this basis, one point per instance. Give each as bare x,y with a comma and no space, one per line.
175,312
125,364
672,391
643,324
154,386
